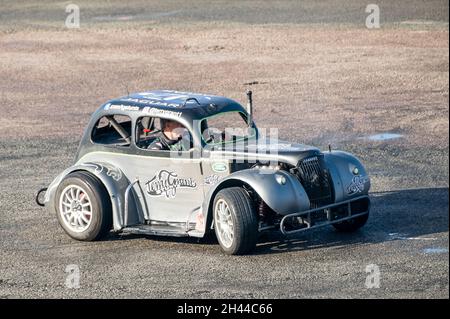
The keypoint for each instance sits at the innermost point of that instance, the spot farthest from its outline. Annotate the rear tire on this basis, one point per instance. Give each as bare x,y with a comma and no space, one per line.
83,207
352,225
235,221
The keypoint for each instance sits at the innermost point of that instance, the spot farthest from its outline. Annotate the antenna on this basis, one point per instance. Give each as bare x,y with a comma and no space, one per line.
249,107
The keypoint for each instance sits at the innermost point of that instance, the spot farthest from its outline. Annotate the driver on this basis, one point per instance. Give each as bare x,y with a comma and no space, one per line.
170,138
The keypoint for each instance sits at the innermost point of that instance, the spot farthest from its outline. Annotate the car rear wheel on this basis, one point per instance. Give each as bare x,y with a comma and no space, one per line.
235,221
83,207
353,224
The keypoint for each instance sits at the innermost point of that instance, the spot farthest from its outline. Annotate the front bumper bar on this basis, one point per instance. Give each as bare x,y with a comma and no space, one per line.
307,220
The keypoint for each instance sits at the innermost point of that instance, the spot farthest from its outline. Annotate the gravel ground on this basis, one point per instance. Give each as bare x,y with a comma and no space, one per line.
318,74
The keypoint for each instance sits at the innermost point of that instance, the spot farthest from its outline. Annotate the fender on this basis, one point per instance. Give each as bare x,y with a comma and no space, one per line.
346,183
283,199
115,183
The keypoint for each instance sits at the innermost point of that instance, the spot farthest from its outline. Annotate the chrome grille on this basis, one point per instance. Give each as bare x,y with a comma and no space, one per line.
316,180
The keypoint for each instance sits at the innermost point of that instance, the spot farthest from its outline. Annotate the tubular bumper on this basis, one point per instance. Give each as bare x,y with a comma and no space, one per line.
307,220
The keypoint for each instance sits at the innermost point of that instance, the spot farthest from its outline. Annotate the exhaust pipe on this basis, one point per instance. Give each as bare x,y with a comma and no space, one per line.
249,108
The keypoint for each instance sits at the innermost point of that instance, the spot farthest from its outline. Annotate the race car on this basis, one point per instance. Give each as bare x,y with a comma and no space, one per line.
221,174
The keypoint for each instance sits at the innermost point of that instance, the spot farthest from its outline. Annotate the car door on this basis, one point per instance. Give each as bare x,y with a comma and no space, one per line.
172,184
172,188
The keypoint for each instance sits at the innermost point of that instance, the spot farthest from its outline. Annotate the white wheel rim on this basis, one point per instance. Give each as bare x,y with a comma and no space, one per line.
75,208
224,223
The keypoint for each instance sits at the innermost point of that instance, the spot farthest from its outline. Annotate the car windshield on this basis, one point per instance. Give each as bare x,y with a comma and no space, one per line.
226,127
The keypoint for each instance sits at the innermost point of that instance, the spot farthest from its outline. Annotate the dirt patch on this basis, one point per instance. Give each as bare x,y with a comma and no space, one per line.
351,82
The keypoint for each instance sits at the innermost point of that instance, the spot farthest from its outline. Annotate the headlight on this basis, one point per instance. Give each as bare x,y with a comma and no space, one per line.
280,179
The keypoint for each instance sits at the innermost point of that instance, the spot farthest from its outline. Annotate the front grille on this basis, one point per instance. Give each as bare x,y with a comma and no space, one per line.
316,180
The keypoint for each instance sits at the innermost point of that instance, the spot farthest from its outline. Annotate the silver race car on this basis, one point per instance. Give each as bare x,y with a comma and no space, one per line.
172,163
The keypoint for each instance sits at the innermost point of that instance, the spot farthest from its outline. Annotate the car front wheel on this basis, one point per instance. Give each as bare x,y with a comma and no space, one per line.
235,221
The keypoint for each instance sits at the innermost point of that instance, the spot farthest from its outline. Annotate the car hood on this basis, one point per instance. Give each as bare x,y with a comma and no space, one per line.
265,150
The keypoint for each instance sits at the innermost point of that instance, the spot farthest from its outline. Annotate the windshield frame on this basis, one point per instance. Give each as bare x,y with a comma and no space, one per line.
244,138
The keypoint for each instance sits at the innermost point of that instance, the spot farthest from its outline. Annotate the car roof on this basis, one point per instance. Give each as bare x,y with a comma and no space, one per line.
195,105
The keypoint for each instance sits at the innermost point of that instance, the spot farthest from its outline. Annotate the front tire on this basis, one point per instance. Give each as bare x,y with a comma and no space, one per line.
352,225
235,221
83,207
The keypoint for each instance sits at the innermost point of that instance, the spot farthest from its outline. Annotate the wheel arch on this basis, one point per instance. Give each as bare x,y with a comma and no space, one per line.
341,166
115,183
232,182
283,199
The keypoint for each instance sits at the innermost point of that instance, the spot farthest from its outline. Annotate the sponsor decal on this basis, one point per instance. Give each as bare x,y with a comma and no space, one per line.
212,179
167,183
114,172
122,107
111,171
172,95
357,184
219,167
97,167
158,112
151,102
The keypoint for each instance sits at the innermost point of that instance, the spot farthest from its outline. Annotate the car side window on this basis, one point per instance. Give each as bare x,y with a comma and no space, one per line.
147,130
159,134
112,130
